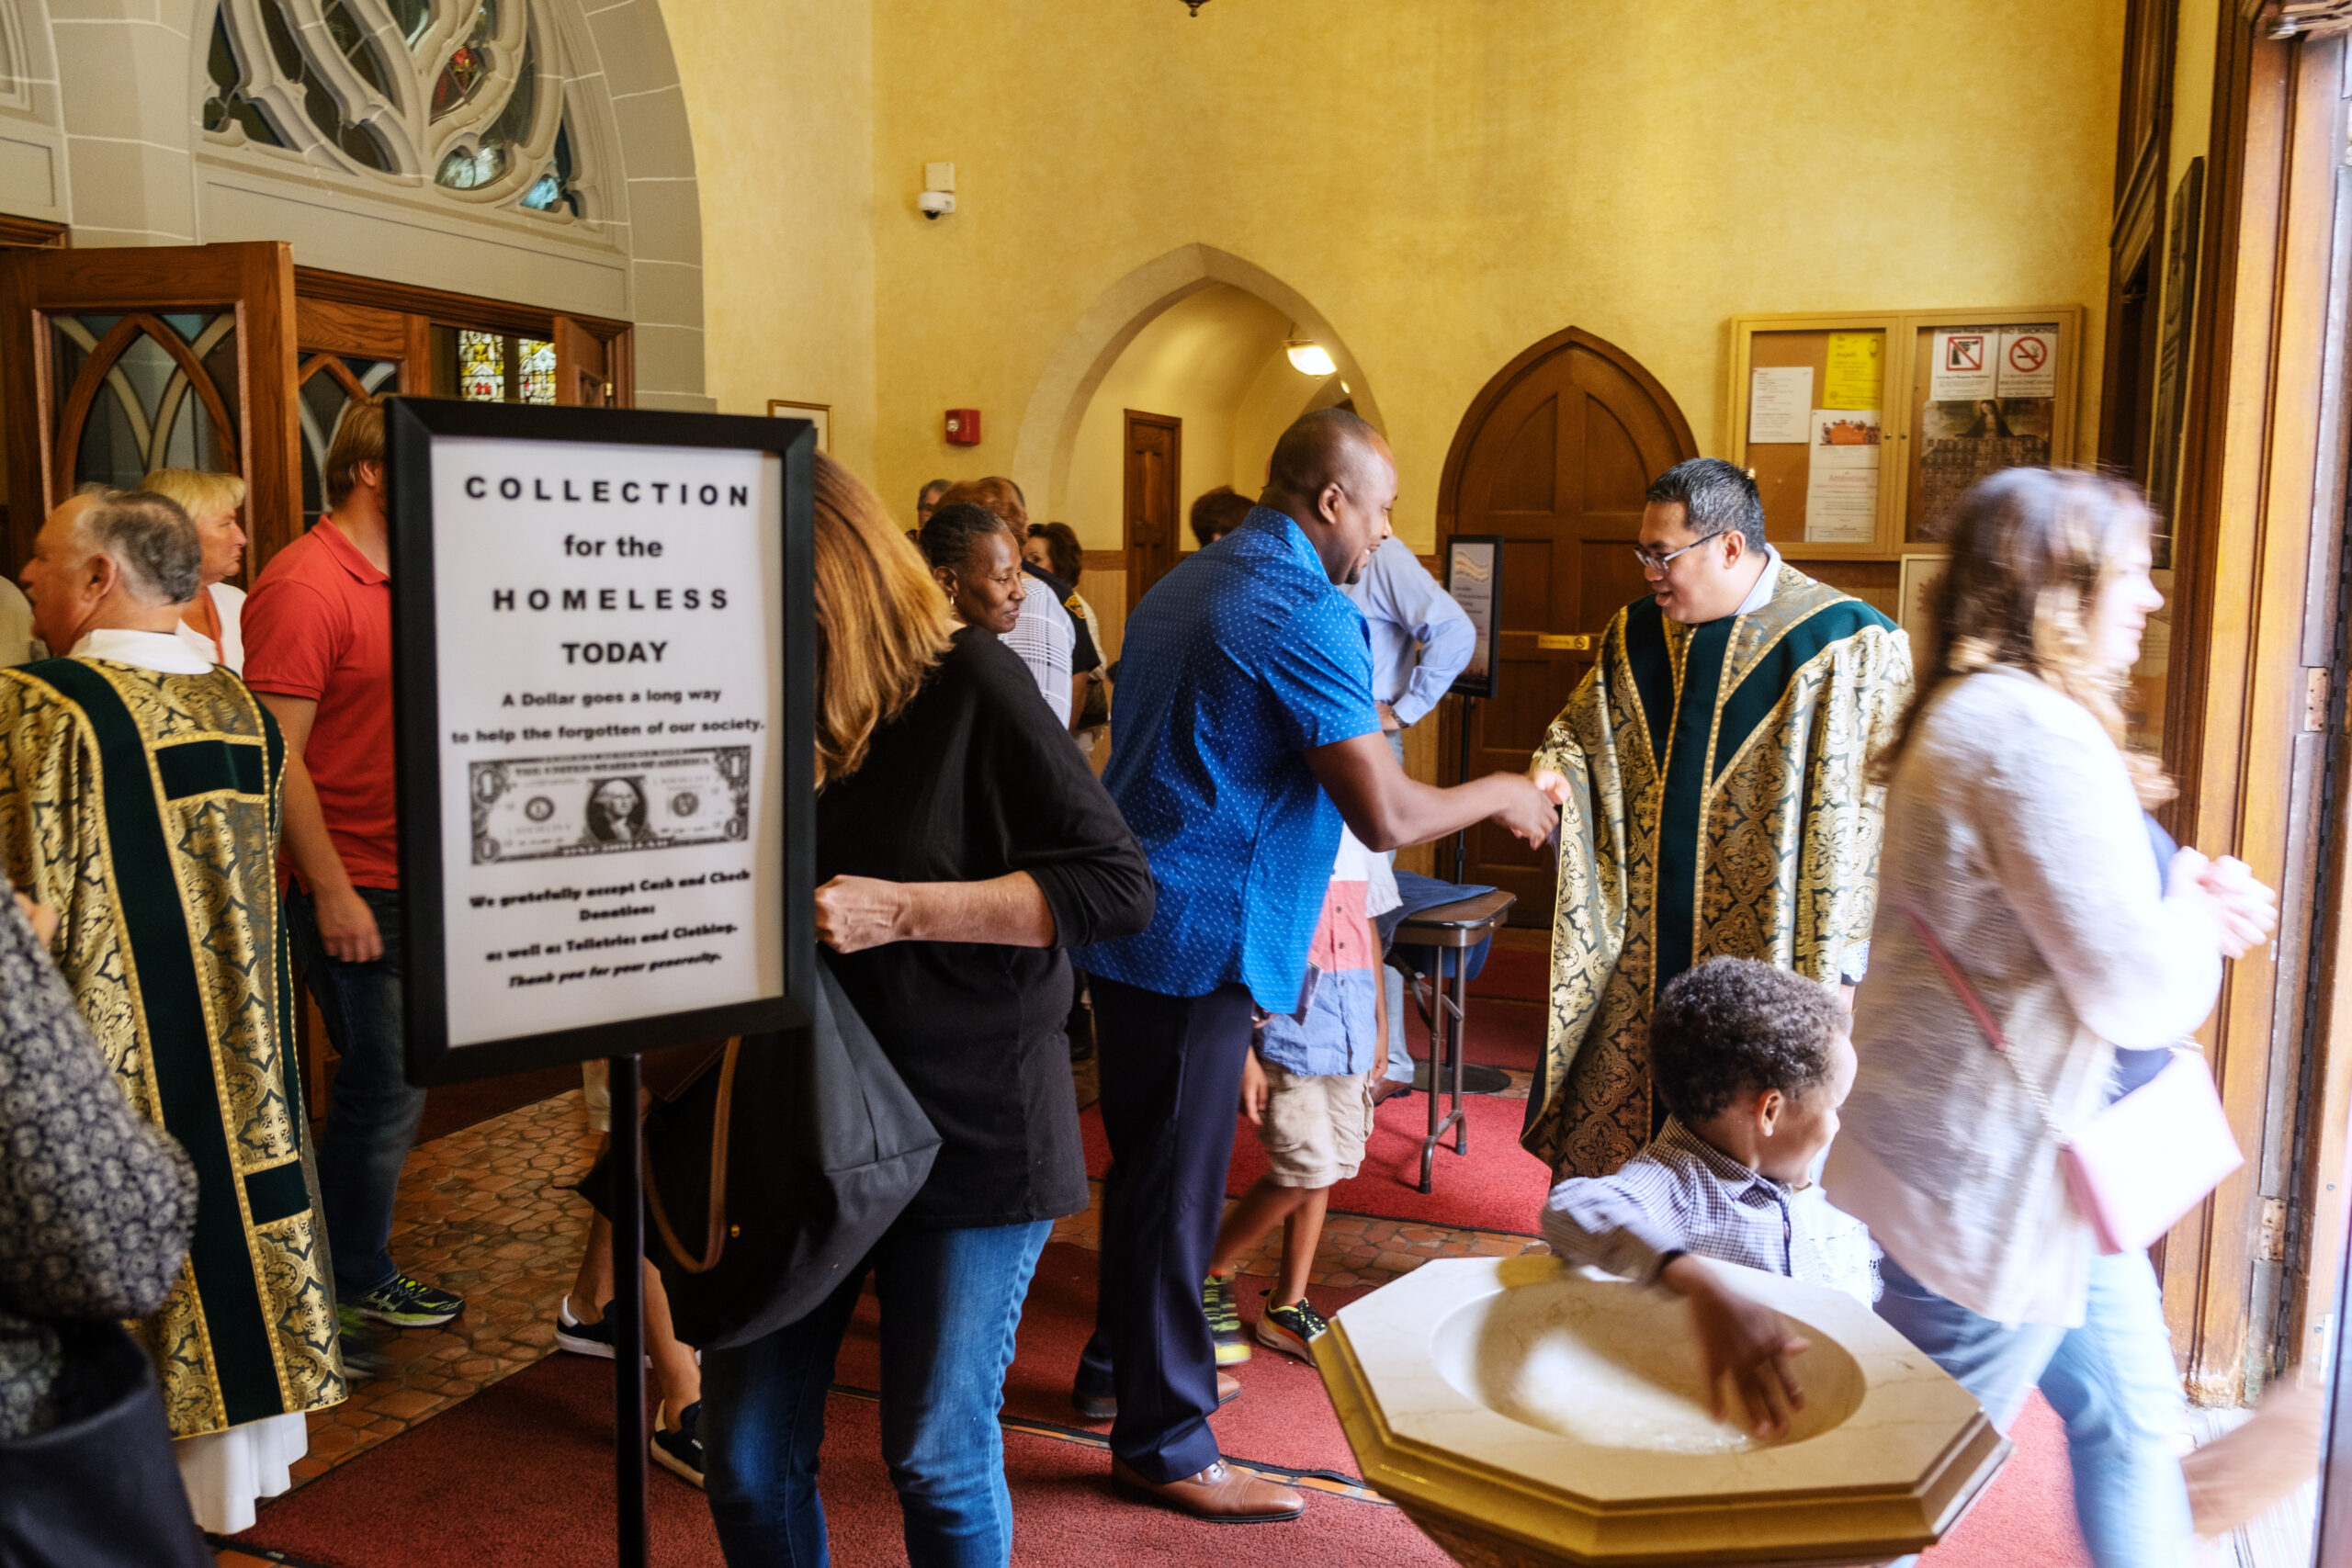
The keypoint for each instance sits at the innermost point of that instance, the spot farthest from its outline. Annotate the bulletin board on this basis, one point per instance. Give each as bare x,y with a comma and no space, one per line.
1862,428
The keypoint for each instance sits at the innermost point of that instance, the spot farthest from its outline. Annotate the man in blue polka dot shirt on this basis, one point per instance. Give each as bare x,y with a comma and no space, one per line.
1243,734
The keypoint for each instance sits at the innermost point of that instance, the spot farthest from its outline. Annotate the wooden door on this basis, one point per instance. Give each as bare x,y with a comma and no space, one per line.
582,378
122,360
1553,455
1155,460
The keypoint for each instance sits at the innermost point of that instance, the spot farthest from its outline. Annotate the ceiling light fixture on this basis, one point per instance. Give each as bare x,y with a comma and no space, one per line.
1196,5
1309,357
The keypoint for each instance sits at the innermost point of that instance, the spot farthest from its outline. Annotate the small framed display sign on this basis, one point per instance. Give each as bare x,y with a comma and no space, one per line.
1473,575
603,646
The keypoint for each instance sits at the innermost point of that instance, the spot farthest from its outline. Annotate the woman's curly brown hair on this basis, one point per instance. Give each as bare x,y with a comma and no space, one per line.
1734,1027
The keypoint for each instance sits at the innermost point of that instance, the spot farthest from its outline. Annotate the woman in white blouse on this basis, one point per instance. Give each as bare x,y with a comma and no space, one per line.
209,622
2016,834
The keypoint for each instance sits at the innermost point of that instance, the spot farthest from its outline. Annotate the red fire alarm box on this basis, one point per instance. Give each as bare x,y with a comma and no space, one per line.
962,427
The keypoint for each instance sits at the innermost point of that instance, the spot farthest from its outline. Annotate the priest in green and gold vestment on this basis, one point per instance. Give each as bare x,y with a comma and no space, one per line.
1717,757
140,797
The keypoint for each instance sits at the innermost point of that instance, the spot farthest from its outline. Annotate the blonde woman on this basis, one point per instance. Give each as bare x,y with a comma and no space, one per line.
961,845
210,623
2014,834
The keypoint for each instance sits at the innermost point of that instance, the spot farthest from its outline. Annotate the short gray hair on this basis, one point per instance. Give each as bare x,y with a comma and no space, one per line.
1715,496
149,540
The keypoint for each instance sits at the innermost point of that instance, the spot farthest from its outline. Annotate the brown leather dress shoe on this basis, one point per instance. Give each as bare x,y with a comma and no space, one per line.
1219,1495
1105,1407
1388,1088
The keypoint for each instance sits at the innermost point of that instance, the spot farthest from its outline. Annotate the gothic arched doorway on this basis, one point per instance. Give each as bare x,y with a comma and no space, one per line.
1553,454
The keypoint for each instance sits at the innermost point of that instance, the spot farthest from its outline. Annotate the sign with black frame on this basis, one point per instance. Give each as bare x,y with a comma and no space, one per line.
604,649
1474,576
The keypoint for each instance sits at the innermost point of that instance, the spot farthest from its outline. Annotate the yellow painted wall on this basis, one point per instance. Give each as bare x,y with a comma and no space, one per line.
1449,182
2196,37
780,95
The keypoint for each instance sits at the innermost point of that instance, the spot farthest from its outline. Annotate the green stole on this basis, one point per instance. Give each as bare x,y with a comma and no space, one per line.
1698,729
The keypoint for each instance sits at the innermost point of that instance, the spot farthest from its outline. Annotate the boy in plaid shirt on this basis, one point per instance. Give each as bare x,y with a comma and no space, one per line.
1753,1062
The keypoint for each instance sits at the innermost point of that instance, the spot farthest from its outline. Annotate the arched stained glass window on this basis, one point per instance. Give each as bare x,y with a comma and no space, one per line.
461,95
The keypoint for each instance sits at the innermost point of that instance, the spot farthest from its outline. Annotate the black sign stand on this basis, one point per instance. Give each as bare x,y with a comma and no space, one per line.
411,426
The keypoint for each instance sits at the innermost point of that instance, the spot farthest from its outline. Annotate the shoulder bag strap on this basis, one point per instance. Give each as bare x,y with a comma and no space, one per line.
715,1233
1985,1022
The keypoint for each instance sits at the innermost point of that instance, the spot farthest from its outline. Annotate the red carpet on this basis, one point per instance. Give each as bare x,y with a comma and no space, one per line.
1497,1186
521,1476
1523,974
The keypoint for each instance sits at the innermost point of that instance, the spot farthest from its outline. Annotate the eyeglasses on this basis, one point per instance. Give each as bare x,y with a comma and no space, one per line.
1659,563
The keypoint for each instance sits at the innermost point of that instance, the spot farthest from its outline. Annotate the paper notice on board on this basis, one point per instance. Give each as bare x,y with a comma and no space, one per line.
1780,401
1963,367
2028,362
1857,371
1841,481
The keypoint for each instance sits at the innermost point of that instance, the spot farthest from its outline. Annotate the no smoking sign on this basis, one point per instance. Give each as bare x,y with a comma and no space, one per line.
2029,362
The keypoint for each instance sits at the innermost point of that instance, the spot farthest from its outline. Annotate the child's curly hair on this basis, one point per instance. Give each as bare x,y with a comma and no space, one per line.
1737,1026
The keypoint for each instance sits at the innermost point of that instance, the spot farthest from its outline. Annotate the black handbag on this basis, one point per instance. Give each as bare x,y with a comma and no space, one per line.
774,1170
100,1489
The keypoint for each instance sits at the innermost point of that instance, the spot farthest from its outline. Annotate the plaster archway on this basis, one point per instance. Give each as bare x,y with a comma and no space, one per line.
1041,454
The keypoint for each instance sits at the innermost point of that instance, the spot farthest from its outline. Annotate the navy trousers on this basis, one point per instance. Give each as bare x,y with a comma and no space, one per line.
1171,1086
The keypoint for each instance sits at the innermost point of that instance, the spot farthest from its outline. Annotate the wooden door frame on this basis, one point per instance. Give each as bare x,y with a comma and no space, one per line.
2261,527
427,308
257,277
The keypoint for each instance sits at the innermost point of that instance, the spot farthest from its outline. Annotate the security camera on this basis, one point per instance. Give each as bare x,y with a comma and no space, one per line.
936,204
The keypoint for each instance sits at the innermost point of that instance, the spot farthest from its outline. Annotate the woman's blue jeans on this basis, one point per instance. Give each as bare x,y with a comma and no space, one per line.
951,1300
2112,1382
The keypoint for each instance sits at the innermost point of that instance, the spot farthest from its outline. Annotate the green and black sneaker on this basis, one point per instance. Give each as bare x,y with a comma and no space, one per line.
1289,1328
1225,1320
409,1304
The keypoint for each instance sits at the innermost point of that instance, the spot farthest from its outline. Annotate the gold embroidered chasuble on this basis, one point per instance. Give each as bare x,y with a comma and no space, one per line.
145,808
1718,803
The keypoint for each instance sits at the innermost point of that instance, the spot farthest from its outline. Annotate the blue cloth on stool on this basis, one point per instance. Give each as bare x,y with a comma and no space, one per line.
1421,893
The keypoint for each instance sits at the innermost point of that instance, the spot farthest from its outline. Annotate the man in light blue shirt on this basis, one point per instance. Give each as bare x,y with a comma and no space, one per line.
1420,641
1421,638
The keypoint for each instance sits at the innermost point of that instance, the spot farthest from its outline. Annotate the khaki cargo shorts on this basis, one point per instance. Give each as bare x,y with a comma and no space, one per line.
1315,1125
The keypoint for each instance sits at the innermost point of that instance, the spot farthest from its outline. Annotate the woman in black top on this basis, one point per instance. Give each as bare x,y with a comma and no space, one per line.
961,845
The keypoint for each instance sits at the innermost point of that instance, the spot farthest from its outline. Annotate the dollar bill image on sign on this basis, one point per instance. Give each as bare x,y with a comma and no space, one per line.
612,803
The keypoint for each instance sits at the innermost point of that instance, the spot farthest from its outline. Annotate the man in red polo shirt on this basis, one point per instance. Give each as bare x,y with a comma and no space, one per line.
318,652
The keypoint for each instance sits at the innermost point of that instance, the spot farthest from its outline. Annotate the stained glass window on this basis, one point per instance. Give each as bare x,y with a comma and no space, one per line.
552,190
445,91
535,376
469,64
481,366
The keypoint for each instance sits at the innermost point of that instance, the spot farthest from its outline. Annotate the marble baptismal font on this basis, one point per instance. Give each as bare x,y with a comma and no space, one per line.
1520,1412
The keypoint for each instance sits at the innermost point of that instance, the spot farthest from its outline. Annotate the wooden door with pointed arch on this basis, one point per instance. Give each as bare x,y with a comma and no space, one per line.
121,361
1553,454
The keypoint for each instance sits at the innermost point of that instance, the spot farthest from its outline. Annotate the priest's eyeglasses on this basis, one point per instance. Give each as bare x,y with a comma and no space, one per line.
1659,563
